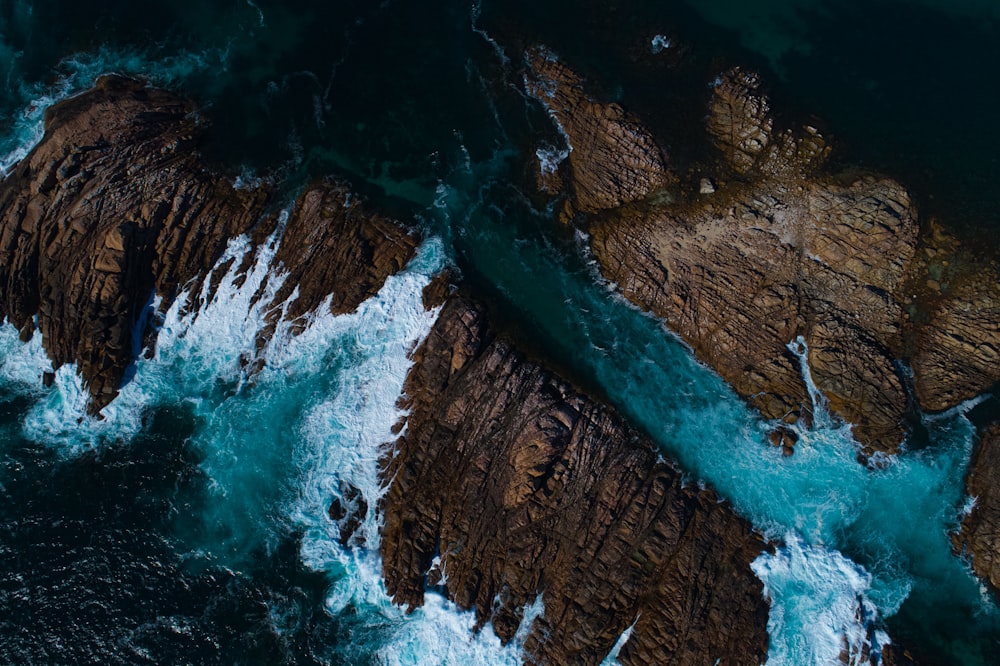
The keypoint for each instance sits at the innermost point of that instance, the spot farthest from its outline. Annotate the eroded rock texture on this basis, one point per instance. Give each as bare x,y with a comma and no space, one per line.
980,532
743,277
524,486
741,126
958,348
773,250
115,204
614,159
334,246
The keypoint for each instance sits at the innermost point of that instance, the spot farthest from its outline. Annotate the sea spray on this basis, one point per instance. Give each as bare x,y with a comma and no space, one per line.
22,364
819,608
340,441
196,350
438,634
549,156
820,408
612,658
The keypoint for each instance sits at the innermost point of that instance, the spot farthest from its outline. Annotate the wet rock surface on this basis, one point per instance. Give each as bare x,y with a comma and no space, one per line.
779,256
524,486
112,205
116,204
741,279
979,536
335,247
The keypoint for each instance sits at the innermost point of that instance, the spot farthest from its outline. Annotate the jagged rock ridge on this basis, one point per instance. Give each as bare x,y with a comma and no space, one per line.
115,204
525,486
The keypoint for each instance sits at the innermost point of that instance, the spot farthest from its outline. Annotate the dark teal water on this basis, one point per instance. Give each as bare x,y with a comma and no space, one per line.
190,525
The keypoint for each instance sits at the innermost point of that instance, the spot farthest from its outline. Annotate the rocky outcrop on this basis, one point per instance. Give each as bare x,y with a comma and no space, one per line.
115,204
521,486
773,258
741,278
958,347
111,206
742,128
612,158
979,536
335,247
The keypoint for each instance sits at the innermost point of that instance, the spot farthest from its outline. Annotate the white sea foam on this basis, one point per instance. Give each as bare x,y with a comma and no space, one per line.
21,363
437,633
341,436
820,409
819,608
550,157
194,351
659,44
612,658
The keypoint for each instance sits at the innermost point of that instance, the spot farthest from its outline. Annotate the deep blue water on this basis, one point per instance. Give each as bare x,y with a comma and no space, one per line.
190,524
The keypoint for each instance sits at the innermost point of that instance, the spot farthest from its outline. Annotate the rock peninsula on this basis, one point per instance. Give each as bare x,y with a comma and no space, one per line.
509,483
115,205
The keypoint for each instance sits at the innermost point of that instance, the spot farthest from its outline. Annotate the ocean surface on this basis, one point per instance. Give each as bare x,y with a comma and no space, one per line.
190,525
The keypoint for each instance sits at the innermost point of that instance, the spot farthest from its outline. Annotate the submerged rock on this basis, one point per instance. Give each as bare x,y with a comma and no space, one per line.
525,486
783,438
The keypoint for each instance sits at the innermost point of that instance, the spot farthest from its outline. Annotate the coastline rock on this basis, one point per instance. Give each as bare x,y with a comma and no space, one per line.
612,158
115,204
329,230
958,348
742,128
110,206
979,534
784,259
524,486
776,262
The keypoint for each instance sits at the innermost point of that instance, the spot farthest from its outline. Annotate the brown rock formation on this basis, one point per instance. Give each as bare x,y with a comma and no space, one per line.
613,158
979,536
777,252
115,202
524,486
741,278
741,126
111,205
958,348
334,246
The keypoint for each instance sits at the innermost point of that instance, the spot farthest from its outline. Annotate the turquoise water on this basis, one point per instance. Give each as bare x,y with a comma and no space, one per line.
893,521
190,523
